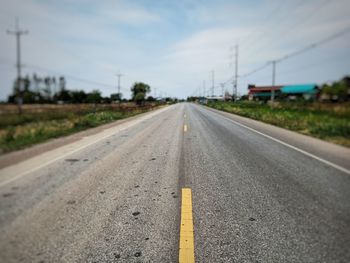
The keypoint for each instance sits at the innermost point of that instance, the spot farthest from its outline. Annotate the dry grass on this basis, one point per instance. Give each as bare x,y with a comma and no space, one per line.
330,122
38,124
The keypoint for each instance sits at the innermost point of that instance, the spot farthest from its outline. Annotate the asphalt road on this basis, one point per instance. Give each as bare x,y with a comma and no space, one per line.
115,196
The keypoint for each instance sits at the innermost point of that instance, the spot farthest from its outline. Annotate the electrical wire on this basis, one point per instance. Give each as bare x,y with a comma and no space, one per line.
298,23
92,82
300,51
265,20
314,45
267,31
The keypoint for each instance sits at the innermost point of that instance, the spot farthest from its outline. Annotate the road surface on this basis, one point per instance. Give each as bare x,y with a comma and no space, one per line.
259,194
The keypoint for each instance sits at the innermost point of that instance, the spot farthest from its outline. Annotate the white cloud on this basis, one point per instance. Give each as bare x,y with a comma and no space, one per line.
95,40
128,13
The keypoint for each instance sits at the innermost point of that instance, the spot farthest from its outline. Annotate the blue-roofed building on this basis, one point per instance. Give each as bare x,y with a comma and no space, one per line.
287,92
306,91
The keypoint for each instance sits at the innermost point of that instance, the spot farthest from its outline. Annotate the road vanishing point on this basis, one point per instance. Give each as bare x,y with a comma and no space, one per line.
184,183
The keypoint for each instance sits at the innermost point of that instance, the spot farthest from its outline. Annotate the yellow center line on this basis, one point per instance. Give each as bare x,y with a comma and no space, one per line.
185,128
186,249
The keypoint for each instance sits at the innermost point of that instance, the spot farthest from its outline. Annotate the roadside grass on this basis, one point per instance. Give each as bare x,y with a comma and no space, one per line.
17,132
329,122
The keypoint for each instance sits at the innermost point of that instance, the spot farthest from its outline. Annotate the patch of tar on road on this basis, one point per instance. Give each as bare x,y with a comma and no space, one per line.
72,160
174,195
8,194
135,213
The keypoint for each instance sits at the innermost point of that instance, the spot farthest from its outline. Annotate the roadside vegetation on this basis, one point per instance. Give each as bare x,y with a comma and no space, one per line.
327,121
42,108
38,123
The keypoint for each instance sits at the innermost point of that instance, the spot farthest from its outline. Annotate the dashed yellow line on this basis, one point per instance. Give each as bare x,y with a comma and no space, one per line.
186,250
185,128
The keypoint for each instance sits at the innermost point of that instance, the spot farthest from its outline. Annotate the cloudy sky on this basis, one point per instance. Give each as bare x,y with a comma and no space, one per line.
174,45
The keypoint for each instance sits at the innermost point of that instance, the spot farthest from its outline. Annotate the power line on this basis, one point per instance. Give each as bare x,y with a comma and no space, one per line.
303,67
290,55
265,20
299,22
83,80
316,44
255,70
300,51
268,30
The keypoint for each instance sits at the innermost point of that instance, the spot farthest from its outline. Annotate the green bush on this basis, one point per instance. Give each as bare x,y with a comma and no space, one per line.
21,131
325,122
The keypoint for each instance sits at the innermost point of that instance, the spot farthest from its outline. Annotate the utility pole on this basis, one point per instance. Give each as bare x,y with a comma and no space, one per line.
273,80
236,73
119,75
223,90
203,88
155,93
18,33
213,83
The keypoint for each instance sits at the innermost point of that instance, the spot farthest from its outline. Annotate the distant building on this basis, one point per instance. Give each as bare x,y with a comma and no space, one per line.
205,100
262,92
287,92
202,100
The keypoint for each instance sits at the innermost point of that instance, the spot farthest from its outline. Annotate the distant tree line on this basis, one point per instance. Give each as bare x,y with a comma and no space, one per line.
49,89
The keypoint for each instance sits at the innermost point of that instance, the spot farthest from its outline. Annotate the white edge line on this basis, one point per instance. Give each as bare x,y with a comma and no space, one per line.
53,160
61,157
340,168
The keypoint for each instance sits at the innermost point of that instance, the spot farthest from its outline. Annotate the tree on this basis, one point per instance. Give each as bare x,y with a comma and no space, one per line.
36,82
62,83
47,89
139,98
192,98
63,96
150,98
337,91
116,96
26,83
54,85
94,97
78,96
139,91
